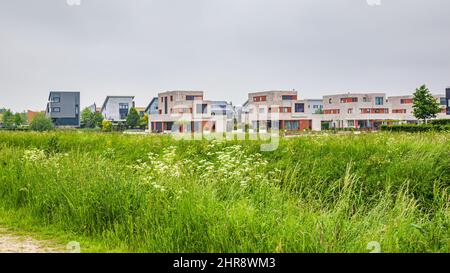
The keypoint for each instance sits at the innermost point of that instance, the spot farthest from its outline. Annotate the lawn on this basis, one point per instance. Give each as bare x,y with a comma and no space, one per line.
157,194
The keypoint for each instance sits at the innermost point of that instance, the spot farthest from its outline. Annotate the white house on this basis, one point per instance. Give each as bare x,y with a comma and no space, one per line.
116,108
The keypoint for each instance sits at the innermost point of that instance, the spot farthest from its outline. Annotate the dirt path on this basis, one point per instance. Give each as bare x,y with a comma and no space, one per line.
11,243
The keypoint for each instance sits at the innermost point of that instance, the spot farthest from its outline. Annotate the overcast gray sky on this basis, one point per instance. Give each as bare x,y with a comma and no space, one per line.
225,47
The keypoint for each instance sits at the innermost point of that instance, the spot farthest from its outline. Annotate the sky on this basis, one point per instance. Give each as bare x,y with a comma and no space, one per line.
226,48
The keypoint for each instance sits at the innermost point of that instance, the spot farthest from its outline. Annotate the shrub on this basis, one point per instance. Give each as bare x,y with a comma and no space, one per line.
106,125
41,123
440,122
412,128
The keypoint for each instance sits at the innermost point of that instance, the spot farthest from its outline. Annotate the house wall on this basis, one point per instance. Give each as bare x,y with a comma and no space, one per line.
447,96
270,106
69,108
111,110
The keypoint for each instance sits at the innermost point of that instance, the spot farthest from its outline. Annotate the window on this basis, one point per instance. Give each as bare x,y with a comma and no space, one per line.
350,111
443,101
202,108
379,100
56,99
190,97
259,98
331,111
406,101
366,99
374,111
123,106
348,100
76,109
330,100
316,106
291,124
288,97
285,109
56,109
351,123
299,107
171,98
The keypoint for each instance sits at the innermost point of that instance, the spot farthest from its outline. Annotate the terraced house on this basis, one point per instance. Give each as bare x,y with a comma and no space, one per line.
282,110
370,110
187,111
63,108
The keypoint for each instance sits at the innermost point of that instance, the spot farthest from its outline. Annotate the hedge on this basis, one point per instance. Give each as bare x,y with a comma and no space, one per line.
415,128
440,122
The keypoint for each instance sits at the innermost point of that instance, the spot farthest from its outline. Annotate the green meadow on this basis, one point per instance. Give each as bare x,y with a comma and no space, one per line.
319,193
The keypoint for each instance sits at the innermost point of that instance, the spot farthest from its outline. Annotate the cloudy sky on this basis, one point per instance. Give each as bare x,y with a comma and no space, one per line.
224,47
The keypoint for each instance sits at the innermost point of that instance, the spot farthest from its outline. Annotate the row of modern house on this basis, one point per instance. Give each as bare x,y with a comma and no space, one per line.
189,111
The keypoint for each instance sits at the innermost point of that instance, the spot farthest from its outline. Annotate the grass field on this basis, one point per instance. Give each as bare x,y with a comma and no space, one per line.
156,194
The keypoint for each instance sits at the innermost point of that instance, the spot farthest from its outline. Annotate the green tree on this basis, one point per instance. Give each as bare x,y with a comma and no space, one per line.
133,118
41,123
18,119
8,119
86,118
98,119
91,119
144,121
425,105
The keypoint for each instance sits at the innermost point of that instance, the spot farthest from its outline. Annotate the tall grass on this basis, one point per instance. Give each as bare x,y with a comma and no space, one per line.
156,194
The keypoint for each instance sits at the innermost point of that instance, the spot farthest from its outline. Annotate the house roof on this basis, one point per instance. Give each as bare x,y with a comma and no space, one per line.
114,97
52,92
150,104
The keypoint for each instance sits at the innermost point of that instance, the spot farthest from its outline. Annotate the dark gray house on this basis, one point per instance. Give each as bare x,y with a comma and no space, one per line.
447,96
63,108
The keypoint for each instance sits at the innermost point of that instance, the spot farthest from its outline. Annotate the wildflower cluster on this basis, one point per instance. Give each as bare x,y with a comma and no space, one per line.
232,164
34,155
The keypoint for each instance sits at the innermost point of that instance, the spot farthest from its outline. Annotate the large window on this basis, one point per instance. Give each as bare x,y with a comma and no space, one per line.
349,100
123,110
288,97
379,100
291,125
285,109
56,99
259,98
202,108
190,97
406,101
299,107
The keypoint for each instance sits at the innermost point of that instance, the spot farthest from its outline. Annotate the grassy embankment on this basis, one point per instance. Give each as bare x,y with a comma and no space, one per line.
156,194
